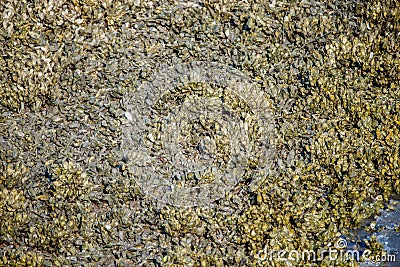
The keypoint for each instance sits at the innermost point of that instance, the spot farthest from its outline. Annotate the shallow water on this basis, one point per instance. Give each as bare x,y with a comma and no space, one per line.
388,237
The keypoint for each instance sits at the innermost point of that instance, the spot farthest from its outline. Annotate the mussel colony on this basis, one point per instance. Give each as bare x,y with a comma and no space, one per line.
324,156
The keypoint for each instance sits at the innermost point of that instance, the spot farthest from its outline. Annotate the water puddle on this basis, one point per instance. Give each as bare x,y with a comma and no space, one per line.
385,232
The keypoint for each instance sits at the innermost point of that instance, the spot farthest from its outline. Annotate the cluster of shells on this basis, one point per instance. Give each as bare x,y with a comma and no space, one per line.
67,196
195,131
